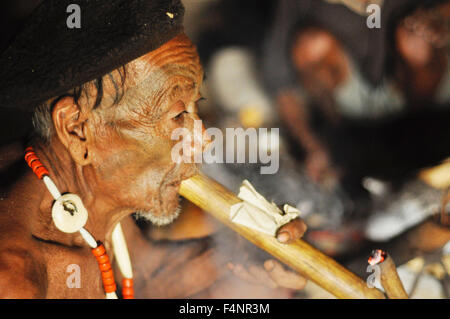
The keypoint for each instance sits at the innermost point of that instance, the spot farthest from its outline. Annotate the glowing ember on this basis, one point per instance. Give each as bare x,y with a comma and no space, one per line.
377,257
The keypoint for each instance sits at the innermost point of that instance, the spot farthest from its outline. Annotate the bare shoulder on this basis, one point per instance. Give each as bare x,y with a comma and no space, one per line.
22,274
22,270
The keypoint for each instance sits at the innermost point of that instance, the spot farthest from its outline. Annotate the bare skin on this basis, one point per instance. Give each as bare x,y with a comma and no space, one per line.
117,159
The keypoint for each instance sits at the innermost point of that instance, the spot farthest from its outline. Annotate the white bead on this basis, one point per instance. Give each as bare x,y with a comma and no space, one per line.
69,213
51,187
121,252
111,295
88,238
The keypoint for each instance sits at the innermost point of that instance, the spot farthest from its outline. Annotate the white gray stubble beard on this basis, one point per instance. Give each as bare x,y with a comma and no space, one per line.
159,220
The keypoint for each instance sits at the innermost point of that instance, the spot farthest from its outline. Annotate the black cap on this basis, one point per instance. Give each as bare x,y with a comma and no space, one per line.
47,58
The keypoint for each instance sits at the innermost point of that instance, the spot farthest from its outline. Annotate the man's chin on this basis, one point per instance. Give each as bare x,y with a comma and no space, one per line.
159,220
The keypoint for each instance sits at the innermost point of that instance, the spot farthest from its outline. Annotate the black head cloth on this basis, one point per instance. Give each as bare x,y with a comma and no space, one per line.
47,58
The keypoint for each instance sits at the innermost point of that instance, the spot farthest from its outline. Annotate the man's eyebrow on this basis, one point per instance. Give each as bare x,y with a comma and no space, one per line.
180,88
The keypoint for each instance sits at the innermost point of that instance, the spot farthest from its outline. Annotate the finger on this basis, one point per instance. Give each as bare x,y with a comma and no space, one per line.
284,278
240,272
291,231
262,276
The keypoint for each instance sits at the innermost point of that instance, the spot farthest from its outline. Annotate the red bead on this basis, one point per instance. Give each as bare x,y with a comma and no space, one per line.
108,274
41,172
127,288
104,267
31,157
108,281
110,288
127,293
28,152
127,282
35,164
103,259
29,149
99,250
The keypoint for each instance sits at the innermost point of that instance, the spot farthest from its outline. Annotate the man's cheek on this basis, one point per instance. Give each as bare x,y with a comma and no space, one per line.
159,151
116,165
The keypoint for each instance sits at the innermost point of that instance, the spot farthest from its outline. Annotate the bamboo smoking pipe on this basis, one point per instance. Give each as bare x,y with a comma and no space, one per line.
300,256
389,276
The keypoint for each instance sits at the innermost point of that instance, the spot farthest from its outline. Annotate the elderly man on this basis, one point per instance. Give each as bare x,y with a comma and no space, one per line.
106,97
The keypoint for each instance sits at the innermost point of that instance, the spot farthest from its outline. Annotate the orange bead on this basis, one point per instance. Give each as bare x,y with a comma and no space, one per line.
127,282
127,293
110,288
127,288
28,152
108,274
103,259
29,149
99,250
41,172
30,158
108,281
35,165
104,267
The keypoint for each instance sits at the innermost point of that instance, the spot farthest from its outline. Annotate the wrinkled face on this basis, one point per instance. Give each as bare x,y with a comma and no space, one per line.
132,141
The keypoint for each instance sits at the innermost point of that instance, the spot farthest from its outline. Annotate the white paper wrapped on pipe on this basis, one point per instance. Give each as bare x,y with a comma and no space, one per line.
257,213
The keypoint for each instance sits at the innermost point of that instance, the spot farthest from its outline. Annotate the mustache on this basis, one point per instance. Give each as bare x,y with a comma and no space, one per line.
158,220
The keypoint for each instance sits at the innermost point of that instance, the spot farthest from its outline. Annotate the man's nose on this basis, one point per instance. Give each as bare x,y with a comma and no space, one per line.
201,139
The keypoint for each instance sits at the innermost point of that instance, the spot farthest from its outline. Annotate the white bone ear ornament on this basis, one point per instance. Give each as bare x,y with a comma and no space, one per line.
69,214
257,213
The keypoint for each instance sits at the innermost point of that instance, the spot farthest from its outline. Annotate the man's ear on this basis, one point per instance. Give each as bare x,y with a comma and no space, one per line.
71,129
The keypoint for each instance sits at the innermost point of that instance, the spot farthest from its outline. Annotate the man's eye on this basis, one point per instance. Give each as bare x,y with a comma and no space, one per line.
178,116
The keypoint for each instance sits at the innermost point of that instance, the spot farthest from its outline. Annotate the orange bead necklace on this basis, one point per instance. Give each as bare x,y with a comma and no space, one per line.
70,216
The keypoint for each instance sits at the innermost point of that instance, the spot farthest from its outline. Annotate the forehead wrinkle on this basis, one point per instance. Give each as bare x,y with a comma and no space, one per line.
181,85
164,85
161,75
151,78
170,55
173,52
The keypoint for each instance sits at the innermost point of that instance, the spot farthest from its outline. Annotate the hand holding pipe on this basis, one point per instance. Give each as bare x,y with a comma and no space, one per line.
215,199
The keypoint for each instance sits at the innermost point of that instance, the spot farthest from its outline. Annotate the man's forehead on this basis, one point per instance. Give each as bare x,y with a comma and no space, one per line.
177,57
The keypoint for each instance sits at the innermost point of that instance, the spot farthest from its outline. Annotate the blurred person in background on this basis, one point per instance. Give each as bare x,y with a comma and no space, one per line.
327,70
368,106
